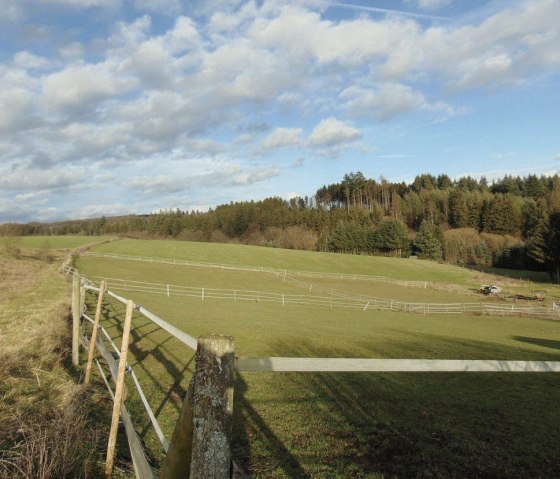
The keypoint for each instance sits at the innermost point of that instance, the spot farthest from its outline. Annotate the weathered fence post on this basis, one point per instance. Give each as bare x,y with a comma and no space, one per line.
76,315
177,463
118,392
82,297
93,339
213,408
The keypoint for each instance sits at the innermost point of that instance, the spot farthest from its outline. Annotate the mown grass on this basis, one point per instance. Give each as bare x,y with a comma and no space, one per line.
397,268
60,242
345,424
51,427
452,278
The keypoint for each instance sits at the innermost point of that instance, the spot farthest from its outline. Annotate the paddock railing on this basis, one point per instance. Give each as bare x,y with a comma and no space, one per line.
260,269
329,297
203,428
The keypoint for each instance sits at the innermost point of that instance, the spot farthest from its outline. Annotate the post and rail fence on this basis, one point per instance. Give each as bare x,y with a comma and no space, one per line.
200,446
328,297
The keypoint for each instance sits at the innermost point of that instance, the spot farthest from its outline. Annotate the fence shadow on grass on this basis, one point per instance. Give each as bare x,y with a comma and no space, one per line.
162,372
248,421
547,343
397,424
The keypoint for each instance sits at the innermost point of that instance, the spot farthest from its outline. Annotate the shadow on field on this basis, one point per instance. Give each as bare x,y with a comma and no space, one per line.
249,422
397,425
534,276
547,343
162,373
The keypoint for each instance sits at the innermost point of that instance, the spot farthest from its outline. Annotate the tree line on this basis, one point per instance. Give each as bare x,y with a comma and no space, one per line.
513,222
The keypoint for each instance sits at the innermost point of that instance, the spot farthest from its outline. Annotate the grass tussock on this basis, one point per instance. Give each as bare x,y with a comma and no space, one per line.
60,444
50,425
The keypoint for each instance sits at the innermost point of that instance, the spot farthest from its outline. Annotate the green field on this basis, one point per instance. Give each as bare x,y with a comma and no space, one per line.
60,242
345,424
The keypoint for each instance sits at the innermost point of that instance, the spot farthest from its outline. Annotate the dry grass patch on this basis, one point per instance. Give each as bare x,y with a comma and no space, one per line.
48,430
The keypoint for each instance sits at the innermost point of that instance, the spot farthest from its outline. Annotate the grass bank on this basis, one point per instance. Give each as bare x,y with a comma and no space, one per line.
52,427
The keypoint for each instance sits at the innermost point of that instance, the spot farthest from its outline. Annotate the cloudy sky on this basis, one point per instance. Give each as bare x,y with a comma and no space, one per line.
130,106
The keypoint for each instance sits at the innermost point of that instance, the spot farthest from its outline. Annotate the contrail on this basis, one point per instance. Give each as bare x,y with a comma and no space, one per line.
387,11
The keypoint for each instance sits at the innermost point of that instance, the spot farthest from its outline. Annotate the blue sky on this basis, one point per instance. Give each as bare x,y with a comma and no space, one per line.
111,107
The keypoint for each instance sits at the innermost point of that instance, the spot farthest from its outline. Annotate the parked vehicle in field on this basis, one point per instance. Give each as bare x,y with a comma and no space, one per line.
490,289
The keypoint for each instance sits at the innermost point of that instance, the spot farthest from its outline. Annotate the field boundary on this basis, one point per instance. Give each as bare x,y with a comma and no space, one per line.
261,269
330,298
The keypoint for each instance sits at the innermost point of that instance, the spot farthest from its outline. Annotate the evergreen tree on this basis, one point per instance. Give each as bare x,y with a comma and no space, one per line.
534,187
536,246
503,215
457,209
444,182
553,246
426,244
391,236
533,216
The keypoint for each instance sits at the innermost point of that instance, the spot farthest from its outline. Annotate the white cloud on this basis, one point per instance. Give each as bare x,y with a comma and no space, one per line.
150,185
385,102
256,176
80,84
103,209
72,51
432,4
485,71
86,3
16,111
204,173
283,138
24,178
12,10
332,132
29,61
165,7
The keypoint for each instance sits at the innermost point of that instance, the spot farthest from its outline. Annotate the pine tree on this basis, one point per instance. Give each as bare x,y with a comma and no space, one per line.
391,236
553,246
458,211
426,244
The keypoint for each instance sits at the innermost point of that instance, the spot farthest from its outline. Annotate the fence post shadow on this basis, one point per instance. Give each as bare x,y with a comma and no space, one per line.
244,414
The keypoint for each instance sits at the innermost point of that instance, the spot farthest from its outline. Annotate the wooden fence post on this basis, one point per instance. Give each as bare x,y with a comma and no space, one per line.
213,408
76,315
177,463
118,392
82,297
94,332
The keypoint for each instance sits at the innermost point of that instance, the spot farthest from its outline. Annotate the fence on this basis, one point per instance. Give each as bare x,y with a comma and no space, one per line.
193,440
261,269
330,298
203,429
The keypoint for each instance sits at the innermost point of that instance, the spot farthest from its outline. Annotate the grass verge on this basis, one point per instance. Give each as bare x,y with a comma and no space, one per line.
51,426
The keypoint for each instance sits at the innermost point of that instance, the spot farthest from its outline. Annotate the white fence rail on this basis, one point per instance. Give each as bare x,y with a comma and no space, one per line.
260,269
392,365
331,298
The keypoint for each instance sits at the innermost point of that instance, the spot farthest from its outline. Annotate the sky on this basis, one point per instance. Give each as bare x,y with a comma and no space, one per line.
112,107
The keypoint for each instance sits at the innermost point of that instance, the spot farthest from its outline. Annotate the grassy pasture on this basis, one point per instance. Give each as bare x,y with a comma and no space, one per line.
365,425
460,280
396,268
60,242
